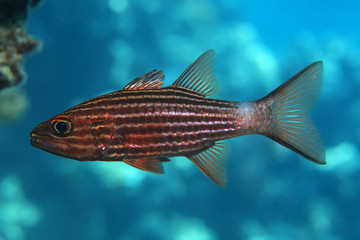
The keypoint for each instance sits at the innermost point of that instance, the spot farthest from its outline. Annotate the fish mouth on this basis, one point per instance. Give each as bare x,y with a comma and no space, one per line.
45,143
35,140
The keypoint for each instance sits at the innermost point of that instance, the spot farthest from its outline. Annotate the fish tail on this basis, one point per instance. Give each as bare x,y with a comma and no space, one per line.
290,107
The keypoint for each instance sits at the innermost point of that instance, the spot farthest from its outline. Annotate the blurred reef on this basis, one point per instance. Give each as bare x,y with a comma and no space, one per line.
17,213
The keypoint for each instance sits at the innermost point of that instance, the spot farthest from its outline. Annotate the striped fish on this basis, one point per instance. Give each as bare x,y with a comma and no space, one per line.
144,124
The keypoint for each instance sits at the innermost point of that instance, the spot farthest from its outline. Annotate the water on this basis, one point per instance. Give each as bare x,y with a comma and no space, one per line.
99,46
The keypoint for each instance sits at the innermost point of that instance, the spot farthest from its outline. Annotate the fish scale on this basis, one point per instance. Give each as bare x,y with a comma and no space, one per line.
172,123
145,123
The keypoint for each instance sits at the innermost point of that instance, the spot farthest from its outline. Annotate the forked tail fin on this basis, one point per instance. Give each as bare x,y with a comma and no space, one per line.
291,104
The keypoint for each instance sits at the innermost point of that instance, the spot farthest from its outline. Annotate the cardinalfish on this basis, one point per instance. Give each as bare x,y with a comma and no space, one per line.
145,124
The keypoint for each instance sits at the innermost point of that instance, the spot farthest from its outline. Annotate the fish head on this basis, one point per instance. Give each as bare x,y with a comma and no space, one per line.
68,135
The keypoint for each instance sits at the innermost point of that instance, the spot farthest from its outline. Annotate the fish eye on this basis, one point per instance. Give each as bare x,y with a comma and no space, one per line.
61,126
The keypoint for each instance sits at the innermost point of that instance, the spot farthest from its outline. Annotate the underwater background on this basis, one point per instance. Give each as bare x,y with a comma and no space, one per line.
95,47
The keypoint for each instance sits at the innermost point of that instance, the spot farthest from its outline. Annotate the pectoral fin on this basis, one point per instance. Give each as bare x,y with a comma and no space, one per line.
103,132
212,164
153,165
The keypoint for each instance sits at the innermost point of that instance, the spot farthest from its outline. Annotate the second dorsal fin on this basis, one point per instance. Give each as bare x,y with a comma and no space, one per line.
199,76
152,79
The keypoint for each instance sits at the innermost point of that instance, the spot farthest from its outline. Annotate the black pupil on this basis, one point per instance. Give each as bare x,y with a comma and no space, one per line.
62,127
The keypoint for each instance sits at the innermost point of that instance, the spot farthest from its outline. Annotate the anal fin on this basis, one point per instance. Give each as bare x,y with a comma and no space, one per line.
153,165
212,164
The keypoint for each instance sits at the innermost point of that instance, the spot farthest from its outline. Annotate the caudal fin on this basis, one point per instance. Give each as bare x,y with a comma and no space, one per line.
291,104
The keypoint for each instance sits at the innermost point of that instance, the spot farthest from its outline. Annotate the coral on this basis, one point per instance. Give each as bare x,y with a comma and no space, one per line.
14,12
14,42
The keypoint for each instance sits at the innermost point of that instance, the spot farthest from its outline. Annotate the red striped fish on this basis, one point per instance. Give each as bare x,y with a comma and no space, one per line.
144,124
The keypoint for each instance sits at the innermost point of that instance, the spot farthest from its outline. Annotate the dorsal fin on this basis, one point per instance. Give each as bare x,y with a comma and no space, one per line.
150,80
199,76
212,164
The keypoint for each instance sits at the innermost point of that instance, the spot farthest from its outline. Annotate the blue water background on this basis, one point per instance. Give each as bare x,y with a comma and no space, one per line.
94,47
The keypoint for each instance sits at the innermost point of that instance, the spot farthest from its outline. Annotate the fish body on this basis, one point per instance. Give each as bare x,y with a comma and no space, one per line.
144,124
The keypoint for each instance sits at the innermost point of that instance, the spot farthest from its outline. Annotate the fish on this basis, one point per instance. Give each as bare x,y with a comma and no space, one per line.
145,124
